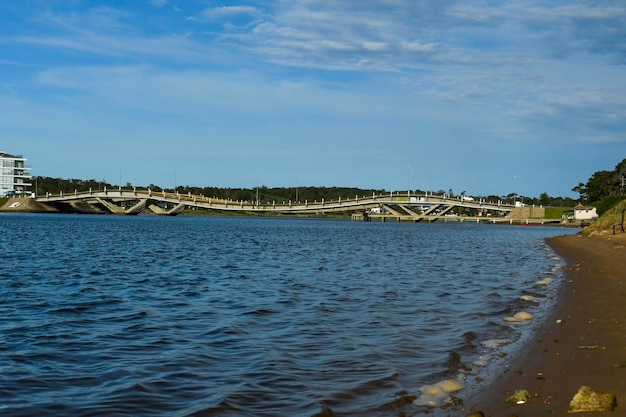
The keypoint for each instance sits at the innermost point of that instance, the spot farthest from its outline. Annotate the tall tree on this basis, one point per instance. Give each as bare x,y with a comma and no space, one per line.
581,190
599,186
544,199
604,184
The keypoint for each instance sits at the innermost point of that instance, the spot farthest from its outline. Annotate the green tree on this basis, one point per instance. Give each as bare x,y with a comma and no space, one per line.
544,199
604,184
600,186
581,190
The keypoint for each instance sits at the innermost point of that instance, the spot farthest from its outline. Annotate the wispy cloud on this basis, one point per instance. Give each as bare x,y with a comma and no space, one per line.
451,51
109,32
229,11
366,35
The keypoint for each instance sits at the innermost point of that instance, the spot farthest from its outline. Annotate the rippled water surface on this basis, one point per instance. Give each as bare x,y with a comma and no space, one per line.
214,316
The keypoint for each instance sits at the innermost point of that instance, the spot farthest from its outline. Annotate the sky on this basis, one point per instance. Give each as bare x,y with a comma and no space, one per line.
478,96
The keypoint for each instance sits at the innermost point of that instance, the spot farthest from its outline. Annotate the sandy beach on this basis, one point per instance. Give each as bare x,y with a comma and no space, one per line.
583,342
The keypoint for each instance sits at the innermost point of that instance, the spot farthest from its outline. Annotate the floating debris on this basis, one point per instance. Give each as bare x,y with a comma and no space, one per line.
483,361
519,317
531,298
433,395
495,343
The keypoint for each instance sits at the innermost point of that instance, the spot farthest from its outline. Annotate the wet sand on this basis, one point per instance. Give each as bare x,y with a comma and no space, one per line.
583,341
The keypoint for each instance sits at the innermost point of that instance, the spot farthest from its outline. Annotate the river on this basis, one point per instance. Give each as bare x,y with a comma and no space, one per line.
252,316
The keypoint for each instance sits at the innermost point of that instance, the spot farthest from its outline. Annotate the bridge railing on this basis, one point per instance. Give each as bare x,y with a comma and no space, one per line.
211,202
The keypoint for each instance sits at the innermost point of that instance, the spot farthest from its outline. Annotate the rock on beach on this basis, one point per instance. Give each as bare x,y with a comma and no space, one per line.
587,399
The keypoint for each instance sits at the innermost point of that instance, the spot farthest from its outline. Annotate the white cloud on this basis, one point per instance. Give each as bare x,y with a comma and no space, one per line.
228,11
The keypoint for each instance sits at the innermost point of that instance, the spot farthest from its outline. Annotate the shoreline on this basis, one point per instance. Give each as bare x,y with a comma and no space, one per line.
581,342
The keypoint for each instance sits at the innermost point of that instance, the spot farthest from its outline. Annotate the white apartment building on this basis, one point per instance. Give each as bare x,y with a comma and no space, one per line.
14,175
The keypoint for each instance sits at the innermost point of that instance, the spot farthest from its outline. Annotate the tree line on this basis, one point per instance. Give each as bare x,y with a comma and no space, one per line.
601,186
43,185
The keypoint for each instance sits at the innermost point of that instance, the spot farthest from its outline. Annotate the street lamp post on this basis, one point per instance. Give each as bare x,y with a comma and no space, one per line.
408,181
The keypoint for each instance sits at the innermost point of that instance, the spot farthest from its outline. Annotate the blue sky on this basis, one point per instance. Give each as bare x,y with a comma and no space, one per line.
487,97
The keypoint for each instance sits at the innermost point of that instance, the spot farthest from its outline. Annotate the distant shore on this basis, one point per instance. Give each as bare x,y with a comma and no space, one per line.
582,342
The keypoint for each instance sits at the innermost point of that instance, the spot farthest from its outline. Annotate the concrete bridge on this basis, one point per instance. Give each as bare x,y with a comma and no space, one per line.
394,206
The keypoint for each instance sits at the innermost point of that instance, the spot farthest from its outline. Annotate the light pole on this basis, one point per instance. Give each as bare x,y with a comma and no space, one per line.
257,188
514,188
430,184
408,181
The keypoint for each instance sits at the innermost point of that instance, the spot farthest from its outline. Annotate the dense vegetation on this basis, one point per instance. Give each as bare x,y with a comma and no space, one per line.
604,189
603,185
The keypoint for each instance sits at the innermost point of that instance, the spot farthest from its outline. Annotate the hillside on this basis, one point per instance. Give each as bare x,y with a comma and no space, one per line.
604,225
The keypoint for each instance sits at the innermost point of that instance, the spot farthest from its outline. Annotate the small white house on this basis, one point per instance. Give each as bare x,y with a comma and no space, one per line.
584,213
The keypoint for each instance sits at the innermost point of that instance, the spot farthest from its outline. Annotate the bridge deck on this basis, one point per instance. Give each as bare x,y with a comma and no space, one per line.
396,204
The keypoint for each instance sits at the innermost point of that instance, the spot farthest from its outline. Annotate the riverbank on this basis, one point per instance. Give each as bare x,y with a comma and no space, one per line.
583,341
25,205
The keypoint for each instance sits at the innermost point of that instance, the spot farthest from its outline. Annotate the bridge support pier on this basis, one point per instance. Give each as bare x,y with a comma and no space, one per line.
115,209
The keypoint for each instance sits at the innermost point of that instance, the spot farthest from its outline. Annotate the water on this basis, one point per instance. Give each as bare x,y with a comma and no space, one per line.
230,316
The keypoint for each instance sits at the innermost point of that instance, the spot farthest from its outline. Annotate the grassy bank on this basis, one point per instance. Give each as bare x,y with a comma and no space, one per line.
604,225
554,212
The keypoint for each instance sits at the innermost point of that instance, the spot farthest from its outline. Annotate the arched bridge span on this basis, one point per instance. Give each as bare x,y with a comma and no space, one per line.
403,206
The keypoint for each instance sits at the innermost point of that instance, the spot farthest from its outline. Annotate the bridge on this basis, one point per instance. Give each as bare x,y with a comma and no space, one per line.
390,206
